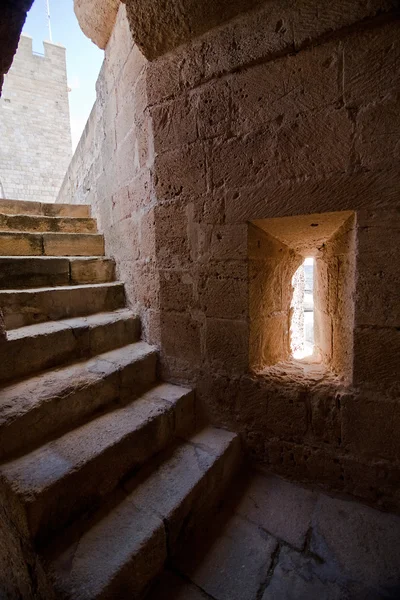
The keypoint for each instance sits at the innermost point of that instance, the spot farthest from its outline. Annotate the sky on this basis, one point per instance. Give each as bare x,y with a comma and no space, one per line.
84,58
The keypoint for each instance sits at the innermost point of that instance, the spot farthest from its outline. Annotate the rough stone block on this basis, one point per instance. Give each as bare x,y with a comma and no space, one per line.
377,300
134,433
123,239
177,490
20,244
227,345
326,416
237,161
180,339
184,402
269,337
127,159
223,297
69,244
228,242
27,307
180,172
171,236
313,143
176,290
378,230
279,90
286,416
174,124
102,567
92,270
369,427
376,351
213,109
32,224
163,81
147,235
370,65
146,289
21,272
49,403
303,462
377,127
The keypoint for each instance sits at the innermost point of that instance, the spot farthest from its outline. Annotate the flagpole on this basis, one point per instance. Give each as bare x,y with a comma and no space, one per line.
48,19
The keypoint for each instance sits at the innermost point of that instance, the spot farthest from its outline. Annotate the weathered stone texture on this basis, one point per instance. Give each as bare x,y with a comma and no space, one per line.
323,547
34,124
159,27
97,19
280,112
111,167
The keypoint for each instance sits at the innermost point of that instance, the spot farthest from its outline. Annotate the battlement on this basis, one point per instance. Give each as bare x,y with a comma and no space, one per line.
25,48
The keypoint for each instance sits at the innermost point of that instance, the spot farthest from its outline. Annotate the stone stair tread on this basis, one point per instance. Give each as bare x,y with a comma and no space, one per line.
22,272
122,547
26,207
27,306
59,288
19,223
33,473
42,405
49,327
35,348
19,243
92,458
20,397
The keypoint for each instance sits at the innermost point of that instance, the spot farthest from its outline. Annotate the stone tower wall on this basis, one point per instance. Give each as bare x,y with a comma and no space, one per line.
286,114
35,133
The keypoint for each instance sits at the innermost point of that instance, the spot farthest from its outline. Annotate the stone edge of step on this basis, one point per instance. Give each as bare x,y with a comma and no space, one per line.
22,403
33,500
156,522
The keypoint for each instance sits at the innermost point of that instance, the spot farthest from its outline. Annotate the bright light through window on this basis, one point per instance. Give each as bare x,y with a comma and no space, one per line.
302,311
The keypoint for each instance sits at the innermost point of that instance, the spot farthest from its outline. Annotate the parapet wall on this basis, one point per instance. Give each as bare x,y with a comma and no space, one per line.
35,133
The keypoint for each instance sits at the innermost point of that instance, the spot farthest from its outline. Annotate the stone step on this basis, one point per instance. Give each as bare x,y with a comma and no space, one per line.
125,546
35,348
51,244
36,305
39,407
37,224
43,271
49,487
21,207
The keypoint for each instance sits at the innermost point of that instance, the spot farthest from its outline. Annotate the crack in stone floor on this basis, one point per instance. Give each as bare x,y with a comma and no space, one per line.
276,540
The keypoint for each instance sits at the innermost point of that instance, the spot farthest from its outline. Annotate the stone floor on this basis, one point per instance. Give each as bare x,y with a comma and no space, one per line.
280,541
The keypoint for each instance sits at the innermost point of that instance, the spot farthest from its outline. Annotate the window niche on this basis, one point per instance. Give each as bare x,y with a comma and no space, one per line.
276,249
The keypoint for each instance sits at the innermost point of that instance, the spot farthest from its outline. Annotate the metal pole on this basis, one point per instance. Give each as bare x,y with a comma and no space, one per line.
48,19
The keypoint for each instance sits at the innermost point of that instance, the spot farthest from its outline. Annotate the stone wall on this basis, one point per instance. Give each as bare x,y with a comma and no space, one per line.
111,168
35,131
284,111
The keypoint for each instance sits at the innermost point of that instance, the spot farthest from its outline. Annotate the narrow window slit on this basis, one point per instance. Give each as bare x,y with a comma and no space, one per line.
302,311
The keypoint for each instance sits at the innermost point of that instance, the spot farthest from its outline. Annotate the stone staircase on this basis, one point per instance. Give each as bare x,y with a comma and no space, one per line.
104,471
